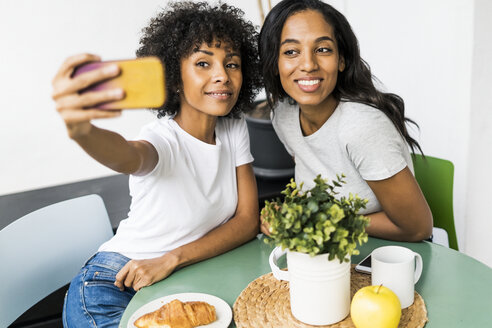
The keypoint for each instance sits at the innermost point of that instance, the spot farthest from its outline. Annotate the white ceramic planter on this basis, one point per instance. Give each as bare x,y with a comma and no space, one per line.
319,289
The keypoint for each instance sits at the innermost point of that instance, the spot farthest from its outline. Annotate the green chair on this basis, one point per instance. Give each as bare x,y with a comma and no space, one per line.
435,177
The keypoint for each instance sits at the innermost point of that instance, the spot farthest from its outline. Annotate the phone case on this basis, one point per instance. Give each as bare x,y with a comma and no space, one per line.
142,80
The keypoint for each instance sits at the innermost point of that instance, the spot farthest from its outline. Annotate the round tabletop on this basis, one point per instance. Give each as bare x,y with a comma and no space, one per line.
456,288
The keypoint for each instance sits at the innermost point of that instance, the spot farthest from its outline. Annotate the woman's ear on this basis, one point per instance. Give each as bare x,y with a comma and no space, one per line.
341,64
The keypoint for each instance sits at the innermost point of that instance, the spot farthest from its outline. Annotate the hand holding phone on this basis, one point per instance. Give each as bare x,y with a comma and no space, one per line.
142,80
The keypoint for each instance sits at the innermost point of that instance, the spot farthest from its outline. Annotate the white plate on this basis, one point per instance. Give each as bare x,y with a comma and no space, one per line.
222,309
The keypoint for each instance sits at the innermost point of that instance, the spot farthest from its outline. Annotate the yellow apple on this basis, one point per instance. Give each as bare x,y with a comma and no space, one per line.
375,307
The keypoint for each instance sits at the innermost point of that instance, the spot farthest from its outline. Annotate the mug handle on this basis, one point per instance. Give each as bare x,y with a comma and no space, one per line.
418,267
273,259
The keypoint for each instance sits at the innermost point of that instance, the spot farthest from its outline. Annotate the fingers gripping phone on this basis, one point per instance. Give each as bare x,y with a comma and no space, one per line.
364,266
142,79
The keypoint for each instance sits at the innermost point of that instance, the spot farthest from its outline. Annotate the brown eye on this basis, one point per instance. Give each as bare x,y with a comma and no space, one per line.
289,52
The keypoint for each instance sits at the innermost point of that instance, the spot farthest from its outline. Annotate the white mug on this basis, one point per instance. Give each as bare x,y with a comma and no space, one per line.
397,268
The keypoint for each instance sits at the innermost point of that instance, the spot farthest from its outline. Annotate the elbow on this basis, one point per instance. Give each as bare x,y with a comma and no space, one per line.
422,230
128,167
254,227
420,235
247,227
124,170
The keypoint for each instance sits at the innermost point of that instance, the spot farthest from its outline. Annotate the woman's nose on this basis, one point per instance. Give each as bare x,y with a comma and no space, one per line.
308,62
220,74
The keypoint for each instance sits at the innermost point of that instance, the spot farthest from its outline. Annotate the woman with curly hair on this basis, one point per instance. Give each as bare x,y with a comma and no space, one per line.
191,181
333,120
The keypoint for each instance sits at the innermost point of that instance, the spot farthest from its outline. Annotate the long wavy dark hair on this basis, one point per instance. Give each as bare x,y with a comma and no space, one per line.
174,33
355,83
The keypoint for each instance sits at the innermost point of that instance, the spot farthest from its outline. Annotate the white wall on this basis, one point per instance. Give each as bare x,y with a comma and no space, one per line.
478,215
35,37
418,51
435,54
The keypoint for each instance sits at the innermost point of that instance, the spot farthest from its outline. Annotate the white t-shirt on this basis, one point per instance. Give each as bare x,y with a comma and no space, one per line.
357,140
192,189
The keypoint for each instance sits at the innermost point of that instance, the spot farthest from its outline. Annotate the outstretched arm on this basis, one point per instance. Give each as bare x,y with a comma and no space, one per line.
242,227
406,215
77,111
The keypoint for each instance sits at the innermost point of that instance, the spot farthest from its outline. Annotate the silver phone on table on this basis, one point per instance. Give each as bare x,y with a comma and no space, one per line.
364,266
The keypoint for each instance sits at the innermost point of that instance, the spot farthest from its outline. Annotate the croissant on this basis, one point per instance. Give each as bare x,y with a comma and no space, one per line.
177,314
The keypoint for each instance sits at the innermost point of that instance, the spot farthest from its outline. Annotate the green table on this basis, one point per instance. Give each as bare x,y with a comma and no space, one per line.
457,289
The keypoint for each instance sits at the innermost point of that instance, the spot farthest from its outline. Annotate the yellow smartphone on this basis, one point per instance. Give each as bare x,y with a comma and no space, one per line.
142,79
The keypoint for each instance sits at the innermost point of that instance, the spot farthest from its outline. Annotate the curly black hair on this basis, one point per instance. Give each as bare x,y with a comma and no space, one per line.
182,26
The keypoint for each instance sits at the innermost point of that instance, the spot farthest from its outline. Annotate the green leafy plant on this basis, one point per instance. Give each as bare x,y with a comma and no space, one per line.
315,221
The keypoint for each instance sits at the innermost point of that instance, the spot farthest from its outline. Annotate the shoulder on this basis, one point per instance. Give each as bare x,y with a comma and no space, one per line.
283,110
230,125
233,134
358,113
372,142
234,129
159,126
163,137
284,116
161,134
363,122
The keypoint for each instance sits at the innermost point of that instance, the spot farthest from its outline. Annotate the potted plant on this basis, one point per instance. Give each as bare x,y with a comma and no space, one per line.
319,232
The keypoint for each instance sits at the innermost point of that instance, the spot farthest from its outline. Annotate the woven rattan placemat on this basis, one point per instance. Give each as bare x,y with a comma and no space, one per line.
265,303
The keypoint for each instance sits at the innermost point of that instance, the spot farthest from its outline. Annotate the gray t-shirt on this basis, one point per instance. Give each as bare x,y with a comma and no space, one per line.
357,140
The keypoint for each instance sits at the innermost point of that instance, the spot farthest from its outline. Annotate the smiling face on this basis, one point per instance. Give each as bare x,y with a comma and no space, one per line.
211,79
309,62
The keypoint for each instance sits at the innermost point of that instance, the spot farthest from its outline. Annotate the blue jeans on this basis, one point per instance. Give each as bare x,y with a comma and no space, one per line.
92,299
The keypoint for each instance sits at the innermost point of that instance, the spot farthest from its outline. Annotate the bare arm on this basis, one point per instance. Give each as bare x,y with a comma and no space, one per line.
117,153
406,215
242,227
77,111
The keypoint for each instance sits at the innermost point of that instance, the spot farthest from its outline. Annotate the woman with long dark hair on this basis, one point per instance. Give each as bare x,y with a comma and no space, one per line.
333,120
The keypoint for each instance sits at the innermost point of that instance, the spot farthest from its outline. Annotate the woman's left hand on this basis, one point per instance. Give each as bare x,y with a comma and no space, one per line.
141,273
264,227
242,227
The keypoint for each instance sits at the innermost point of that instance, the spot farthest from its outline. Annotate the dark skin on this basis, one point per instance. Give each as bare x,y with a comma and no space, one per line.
309,53
201,105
